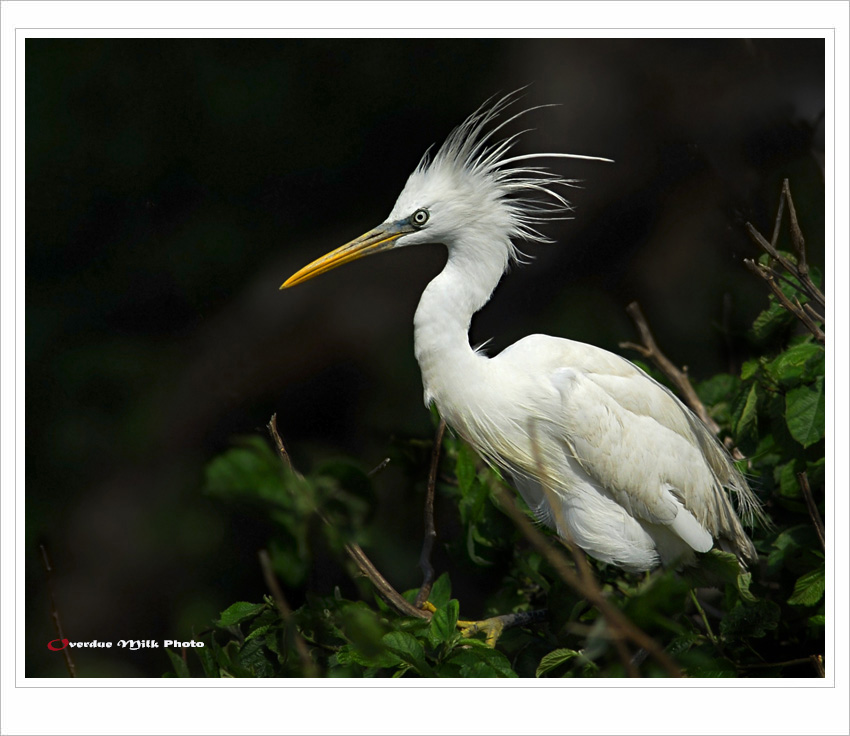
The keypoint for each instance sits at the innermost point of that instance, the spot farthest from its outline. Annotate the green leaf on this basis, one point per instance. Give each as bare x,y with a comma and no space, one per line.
771,319
555,659
239,612
713,567
208,660
683,643
384,660
259,631
749,369
444,622
178,663
816,624
796,363
746,424
718,388
790,548
253,658
720,667
409,650
251,469
482,661
743,583
809,588
441,591
786,476
753,620
805,412
363,628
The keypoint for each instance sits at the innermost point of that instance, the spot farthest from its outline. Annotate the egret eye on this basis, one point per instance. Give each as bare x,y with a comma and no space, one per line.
419,218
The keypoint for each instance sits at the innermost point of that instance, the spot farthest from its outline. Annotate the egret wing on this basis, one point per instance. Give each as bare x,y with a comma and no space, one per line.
634,440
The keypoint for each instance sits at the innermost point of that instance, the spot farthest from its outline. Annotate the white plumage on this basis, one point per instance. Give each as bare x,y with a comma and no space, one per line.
599,450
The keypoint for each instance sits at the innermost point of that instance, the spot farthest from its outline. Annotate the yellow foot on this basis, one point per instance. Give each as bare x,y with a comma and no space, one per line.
493,627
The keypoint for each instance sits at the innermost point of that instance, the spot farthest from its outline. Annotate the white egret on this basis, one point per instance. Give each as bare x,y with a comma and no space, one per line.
600,451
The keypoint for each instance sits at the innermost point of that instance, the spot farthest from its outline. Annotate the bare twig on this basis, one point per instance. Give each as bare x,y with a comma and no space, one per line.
795,308
797,240
389,594
430,531
308,666
799,270
805,281
812,507
777,223
54,612
649,349
281,450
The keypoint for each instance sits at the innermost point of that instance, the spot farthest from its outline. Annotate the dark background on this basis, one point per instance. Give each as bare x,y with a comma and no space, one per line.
172,185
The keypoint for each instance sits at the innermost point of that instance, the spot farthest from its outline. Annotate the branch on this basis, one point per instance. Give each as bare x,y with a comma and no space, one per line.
430,532
389,594
278,443
801,313
54,611
799,271
649,349
308,666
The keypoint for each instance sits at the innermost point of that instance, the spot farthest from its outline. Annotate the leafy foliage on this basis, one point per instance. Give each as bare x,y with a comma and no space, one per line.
768,621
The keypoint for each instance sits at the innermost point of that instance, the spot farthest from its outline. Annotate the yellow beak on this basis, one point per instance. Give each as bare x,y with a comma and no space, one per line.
375,241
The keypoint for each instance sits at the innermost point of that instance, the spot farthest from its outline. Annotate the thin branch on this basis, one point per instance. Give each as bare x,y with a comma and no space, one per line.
711,637
806,282
649,349
797,240
812,508
777,223
430,531
54,612
389,594
800,270
278,442
308,666
793,307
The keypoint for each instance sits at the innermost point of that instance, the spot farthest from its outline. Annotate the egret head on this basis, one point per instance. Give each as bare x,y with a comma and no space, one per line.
470,194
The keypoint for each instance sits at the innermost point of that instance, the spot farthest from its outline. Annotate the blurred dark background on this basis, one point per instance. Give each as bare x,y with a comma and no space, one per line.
171,187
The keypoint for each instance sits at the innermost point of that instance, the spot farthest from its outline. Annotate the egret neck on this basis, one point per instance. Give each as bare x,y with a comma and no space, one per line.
441,323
